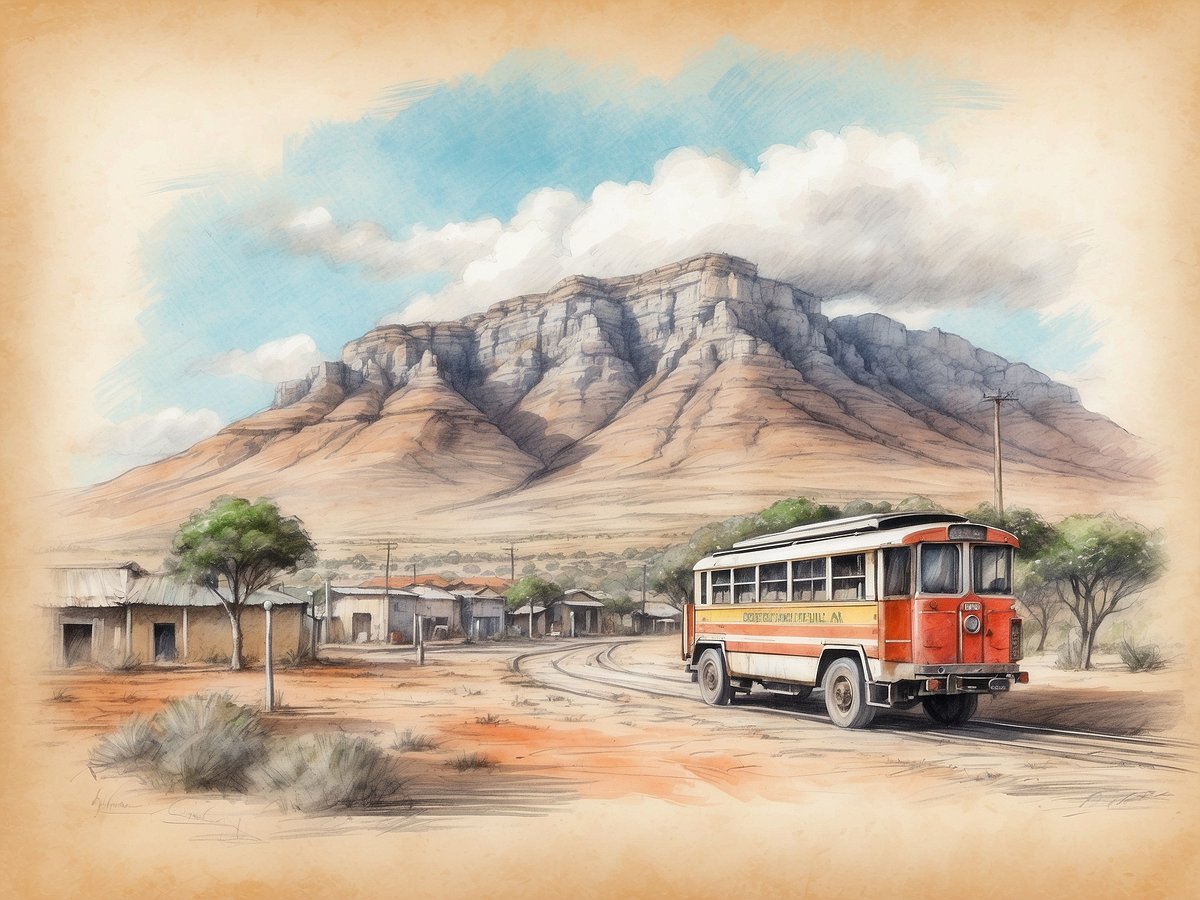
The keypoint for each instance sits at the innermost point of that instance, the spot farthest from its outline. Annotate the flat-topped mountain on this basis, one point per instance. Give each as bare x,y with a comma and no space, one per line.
643,405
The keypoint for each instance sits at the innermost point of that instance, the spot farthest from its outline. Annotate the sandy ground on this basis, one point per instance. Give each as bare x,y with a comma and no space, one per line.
566,763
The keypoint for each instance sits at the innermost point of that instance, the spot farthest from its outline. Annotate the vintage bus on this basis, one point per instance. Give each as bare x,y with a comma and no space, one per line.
881,611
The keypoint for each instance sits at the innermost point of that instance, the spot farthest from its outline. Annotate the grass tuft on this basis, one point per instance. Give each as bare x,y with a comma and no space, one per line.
466,762
410,741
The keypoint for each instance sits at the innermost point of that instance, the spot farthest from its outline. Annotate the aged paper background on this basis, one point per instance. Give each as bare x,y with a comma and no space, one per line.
90,90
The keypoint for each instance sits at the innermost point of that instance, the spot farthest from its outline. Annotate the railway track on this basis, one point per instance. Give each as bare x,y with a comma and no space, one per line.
592,670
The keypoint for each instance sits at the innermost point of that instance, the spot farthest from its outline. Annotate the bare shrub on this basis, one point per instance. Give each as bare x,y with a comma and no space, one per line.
1070,654
328,771
209,743
132,747
1141,657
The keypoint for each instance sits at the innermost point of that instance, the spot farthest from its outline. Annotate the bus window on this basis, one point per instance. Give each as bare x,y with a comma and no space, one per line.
743,585
849,577
992,569
808,580
941,566
772,581
897,571
704,588
720,586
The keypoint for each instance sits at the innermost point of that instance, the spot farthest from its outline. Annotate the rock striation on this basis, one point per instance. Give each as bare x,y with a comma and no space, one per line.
696,378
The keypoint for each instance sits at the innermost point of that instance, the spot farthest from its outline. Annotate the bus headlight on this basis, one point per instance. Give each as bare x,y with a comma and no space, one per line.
971,624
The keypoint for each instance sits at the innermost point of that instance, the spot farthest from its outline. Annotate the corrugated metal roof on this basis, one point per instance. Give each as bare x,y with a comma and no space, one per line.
524,611
117,585
657,610
163,590
91,586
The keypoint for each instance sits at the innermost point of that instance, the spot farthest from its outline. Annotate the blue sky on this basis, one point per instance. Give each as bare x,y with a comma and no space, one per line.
429,155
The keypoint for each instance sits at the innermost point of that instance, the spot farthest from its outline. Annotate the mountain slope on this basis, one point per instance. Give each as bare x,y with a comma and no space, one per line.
652,402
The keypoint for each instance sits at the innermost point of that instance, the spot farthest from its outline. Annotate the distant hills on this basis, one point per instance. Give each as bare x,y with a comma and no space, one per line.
632,408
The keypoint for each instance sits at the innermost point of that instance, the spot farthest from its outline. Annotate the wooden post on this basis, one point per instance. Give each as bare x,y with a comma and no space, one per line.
185,633
268,666
420,641
128,629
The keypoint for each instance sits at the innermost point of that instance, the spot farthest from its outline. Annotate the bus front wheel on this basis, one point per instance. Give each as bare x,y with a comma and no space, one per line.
846,695
950,709
713,679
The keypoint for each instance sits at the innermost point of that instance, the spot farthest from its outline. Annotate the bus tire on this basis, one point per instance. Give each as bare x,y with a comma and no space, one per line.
950,709
713,678
846,695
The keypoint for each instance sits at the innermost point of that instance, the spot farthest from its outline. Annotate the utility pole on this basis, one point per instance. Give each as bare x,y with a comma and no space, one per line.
643,595
387,582
414,581
997,466
512,577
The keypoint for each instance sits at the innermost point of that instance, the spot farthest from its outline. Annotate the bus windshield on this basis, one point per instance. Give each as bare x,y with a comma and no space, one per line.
940,566
992,568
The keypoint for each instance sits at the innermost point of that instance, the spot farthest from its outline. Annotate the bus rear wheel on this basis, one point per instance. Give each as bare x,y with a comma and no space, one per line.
950,709
713,678
846,695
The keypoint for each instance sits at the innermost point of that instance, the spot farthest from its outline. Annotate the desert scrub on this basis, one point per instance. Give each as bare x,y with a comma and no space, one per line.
1141,657
206,742
328,771
465,762
133,747
411,741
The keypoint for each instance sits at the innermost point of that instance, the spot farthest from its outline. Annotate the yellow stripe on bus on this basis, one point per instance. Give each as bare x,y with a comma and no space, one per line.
790,614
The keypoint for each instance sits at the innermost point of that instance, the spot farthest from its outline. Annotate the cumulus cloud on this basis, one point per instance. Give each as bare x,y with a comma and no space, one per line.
141,439
857,214
272,362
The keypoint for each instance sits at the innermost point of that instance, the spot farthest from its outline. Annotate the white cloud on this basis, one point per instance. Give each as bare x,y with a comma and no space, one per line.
856,214
272,362
141,439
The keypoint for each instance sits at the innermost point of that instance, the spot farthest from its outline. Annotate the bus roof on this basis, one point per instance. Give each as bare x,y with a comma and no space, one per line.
842,527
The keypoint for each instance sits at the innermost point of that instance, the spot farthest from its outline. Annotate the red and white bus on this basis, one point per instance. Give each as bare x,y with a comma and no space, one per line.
881,611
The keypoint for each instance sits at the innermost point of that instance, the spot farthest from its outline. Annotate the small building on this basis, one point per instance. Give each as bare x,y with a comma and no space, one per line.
658,617
110,614
575,613
367,613
481,611
518,620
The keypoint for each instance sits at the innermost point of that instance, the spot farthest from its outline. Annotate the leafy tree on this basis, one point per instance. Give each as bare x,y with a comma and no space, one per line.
622,605
1034,532
675,581
1098,564
532,590
234,548
1041,601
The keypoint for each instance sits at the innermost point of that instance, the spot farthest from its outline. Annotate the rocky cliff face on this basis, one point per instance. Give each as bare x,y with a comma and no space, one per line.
699,379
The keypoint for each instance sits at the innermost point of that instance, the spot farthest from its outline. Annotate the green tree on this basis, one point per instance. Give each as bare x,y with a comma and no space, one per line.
622,605
1034,532
1041,601
1098,565
234,548
532,590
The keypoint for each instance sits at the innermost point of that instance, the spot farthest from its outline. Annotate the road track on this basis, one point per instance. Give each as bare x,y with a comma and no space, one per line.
590,669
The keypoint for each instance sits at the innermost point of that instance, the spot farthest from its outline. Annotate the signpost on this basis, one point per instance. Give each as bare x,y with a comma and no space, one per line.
269,670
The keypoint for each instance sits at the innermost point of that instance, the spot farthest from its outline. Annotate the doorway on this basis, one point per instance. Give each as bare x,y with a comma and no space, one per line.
360,626
77,644
164,642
